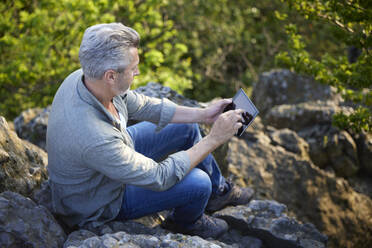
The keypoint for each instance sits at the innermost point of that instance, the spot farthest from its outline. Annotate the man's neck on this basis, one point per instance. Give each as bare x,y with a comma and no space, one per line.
98,89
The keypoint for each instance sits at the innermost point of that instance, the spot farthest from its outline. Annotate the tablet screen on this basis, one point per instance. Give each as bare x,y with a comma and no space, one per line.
242,101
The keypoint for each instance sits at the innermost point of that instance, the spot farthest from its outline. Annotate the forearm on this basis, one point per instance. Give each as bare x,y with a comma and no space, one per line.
200,151
222,130
188,115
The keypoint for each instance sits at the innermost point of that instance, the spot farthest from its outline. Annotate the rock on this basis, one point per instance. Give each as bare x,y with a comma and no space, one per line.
135,228
257,124
32,125
303,115
317,137
25,224
364,143
278,87
290,141
130,227
83,238
342,152
11,126
311,194
159,91
334,148
76,238
23,165
268,221
235,238
362,184
313,122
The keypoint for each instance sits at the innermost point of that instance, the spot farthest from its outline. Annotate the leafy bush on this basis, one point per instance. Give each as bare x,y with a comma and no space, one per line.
39,44
230,42
204,48
352,26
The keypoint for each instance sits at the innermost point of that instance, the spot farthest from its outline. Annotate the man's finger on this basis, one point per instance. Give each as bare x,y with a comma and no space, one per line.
237,126
239,111
225,101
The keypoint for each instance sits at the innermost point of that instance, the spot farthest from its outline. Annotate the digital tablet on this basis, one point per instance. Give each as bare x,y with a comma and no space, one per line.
242,101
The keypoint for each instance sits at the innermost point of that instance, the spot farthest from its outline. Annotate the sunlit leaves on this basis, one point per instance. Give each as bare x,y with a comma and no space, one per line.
353,24
39,44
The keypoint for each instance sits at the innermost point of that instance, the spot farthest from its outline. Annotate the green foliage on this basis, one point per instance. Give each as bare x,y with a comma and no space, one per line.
163,58
39,44
351,25
230,42
360,120
205,48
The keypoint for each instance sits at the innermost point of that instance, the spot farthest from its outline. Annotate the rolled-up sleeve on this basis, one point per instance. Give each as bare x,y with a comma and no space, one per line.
144,108
120,162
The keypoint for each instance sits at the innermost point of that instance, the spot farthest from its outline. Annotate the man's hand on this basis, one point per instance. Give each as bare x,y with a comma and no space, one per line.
212,112
226,126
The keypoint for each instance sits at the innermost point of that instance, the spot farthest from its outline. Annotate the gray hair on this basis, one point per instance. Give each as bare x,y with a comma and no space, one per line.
106,46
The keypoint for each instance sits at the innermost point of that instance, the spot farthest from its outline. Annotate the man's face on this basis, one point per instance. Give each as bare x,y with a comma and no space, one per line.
125,78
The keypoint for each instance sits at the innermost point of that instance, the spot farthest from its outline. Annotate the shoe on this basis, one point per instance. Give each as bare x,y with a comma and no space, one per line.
205,227
235,196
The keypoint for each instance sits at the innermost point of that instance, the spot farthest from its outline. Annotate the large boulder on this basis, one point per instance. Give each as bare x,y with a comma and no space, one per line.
279,172
255,225
333,148
135,234
32,124
23,165
159,91
290,140
86,239
25,224
313,122
303,115
268,221
278,87
364,143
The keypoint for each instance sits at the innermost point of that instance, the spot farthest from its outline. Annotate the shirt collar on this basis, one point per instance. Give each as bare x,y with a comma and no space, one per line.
89,98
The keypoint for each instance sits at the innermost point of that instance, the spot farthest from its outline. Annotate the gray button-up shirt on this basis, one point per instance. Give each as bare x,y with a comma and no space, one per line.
92,157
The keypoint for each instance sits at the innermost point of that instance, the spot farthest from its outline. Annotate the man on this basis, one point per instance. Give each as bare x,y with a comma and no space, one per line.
100,170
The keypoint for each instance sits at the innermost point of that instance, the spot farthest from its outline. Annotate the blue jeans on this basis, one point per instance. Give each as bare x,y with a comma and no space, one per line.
189,197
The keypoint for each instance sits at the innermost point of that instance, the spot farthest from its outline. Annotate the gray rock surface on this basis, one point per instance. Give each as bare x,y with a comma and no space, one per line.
364,143
290,141
150,226
303,115
23,165
287,100
32,125
268,221
278,87
25,224
333,148
159,91
313,122
123,239
311,194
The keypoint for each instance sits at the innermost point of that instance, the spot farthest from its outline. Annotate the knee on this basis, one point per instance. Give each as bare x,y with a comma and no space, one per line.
190,128
192,132
200,182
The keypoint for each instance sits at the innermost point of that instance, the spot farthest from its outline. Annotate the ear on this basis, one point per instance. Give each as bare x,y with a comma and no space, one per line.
109,76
